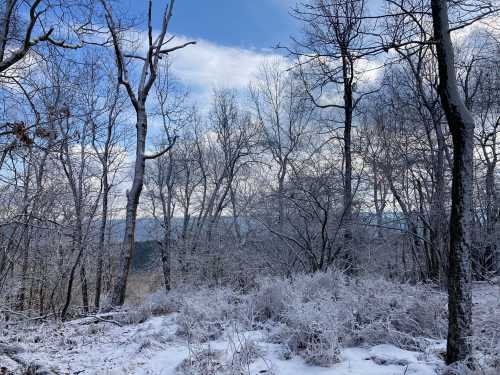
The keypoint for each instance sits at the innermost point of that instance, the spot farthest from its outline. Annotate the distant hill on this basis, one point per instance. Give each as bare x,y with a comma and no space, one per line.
145,229
145,254
148,229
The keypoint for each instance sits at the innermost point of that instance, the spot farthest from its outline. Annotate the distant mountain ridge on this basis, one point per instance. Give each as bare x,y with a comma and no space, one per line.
146,229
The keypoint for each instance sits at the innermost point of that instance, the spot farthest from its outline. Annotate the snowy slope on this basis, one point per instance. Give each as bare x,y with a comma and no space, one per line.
152,348
107,345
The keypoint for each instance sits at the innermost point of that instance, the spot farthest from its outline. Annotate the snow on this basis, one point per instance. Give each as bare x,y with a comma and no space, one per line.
357,361
152,348
104,346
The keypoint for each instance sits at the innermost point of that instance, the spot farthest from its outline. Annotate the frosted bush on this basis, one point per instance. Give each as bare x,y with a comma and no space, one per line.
244,353
159,303
461,368
37,369
94,329
135,315
105,303
312,330
323,312
272,299
144,345
402,315
204,314
320,284
313,315
196,327
202,362
426,315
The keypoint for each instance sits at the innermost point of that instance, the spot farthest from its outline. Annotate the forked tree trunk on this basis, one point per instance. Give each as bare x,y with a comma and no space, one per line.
133,196
461,126
156,49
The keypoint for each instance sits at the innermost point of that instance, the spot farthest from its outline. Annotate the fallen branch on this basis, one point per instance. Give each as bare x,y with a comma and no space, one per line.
98,319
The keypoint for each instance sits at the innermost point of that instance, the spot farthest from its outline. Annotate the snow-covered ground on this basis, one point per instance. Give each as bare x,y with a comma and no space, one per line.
103,345
152,348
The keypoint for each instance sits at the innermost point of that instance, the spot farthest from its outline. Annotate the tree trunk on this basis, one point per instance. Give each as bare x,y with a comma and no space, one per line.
378,210
438,211
348,109
461,124
102,233
165,260
133,196
166,204
281,195
85,289
77,235
490,250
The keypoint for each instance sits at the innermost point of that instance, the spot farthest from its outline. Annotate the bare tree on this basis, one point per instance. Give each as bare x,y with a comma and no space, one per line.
156,48
461,124
329,62
16,39
284,111
105,143
162,177
475,62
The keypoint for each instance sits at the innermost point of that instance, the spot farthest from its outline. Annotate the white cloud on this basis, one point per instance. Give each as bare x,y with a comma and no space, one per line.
207,65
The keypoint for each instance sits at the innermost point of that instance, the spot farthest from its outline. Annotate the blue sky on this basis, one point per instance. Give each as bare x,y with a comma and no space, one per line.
234,38
249,24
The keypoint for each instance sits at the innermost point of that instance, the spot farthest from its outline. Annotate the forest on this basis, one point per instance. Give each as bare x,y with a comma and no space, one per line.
337,211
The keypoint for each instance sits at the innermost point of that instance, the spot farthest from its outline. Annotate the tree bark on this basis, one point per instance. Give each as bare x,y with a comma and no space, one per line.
133,196
461,124
348,110
102,233
489,256
85,289
78,245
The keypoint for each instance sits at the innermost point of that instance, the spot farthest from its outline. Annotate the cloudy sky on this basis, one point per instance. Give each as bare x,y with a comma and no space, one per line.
249,24
233,38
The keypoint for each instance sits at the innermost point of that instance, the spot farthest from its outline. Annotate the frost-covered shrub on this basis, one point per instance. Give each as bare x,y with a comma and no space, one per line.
487,336
390,313
202,362
204,314
320,313
94,329
319,285
462,368
312,331
197,329
105,303
135,315
244,353
144,345
37,369
67,342
203,359
314,315
272,299
159,303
